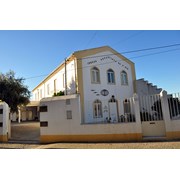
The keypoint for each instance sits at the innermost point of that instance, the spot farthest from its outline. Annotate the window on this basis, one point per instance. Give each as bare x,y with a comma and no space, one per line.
69,114
48,90
63,80
43,109
43,124
40,93
1,124
110,76
68,101
1,111
97,108
95,75
124,78
55,85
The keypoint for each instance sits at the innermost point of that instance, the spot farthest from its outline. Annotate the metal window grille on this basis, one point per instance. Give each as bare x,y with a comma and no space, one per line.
69,114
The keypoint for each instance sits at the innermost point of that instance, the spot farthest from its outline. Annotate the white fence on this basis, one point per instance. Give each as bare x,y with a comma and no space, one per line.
150,108
174,106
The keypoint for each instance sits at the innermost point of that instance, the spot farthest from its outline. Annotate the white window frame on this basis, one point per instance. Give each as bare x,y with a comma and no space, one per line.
48,89
95,75
55,85
40,93
110,76
63,80
124,78
97,109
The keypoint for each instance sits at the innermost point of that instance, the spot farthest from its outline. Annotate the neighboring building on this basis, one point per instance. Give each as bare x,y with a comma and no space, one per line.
145,88
103,78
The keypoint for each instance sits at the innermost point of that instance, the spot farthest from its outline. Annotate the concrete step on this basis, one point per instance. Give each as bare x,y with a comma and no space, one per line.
154,138
15,141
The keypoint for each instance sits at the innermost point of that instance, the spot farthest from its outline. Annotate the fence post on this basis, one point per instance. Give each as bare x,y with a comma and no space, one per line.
166,114
137,113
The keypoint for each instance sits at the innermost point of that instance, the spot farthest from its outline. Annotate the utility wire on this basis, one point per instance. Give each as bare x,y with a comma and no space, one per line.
111,62
155,53
129,37
138,50
93,36
153,48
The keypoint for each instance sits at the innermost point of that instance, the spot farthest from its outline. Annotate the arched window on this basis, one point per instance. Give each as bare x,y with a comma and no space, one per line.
97,109
95,75
124,78
110,76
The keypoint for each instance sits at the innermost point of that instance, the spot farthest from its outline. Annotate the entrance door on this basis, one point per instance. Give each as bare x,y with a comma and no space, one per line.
113,112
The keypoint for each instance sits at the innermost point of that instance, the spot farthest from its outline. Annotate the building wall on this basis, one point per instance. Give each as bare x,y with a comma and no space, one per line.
146,88
59,128
93,91
54,87
4,122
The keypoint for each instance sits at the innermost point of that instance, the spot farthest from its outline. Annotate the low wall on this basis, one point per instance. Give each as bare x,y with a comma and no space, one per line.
4,121
174,129
56,126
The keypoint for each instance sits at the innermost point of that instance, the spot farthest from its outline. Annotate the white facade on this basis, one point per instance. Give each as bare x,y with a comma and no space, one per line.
102,77
56,82
93,91
60,121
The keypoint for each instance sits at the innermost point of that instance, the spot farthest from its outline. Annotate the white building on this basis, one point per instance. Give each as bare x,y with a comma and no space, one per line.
103,78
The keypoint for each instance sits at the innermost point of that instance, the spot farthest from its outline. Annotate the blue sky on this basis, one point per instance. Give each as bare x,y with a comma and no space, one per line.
37,53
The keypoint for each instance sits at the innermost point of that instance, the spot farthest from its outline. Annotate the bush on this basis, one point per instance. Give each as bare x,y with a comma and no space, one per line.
60,93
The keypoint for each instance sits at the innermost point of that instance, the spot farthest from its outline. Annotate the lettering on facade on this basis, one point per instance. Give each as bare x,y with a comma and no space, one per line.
91,62
108,58
112,59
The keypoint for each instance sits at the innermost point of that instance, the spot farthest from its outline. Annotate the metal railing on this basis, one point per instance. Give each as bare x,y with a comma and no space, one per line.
174,106
110,111
150,108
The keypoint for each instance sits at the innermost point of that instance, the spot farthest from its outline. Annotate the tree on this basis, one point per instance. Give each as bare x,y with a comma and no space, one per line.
13,91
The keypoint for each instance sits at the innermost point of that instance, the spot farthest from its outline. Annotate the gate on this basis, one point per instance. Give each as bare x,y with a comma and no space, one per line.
151,115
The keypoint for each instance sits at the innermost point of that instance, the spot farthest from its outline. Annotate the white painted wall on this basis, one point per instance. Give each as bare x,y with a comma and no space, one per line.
153,128
59,83
4,118
145,88
58,124
119,91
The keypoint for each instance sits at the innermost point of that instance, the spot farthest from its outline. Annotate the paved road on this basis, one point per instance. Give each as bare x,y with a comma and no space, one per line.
25,131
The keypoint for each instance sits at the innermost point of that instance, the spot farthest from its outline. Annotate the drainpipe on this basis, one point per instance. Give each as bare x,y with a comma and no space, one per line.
65,77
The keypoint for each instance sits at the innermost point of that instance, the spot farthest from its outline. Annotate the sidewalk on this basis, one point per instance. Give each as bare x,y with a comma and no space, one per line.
147,145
